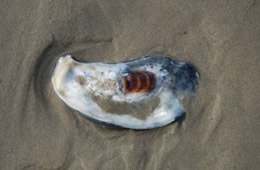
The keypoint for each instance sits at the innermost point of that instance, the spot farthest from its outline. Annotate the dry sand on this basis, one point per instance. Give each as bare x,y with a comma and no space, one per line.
221,38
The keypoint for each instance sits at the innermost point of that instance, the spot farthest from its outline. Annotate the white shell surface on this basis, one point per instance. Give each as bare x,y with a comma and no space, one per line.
101,79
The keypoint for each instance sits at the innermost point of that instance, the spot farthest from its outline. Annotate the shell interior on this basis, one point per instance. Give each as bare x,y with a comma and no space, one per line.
97,90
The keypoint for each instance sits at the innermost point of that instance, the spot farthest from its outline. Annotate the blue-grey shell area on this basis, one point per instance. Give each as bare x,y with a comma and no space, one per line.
185,74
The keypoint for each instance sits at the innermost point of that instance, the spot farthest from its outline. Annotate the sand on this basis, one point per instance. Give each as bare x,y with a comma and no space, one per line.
221,38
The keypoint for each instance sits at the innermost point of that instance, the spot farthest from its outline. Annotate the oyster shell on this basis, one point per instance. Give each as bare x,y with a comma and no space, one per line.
132,83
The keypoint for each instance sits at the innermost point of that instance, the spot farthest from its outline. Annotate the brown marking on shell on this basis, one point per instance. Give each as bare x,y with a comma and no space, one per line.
108,84
81,80
139,82
140,110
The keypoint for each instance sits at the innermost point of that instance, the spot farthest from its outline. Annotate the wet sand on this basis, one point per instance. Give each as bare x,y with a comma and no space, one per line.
221,127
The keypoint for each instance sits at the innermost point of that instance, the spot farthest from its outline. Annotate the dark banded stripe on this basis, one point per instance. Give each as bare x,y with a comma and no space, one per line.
139,82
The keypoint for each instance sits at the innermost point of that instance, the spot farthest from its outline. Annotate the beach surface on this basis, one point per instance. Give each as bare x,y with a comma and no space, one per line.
222,124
